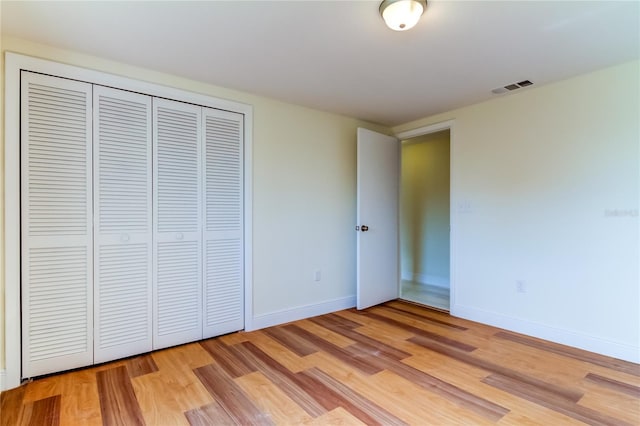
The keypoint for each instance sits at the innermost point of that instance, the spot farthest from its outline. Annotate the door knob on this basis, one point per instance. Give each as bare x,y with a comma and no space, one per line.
364,228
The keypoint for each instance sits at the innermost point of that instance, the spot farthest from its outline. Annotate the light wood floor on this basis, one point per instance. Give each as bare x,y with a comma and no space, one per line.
425,294
391,365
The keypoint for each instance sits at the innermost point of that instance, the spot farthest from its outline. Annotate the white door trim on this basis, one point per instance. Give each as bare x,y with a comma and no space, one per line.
13,64
425,130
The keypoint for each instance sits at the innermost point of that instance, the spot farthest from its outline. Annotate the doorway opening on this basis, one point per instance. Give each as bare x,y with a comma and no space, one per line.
425,219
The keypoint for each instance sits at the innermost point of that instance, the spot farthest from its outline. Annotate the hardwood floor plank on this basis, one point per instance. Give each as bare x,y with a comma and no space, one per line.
141,365
334,338
335,326
235,338
183,358
80,402
11,405
207,415
459,396
283,378
547,399
271,399
333,397
571,395
227,358
378,330
423,333
118,403
277,351
362,408
592,358
158,399
322,393
43,412
403,398
337,417
403,310
292,342
43,388
342,321
231,397
612,403
616,385
470,378
336,351
165,396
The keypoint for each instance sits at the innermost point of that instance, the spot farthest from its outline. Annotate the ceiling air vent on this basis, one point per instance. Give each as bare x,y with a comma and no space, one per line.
512,86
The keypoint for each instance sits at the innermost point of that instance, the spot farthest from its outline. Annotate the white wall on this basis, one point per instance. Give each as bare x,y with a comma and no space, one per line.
424,209
304,188
545,189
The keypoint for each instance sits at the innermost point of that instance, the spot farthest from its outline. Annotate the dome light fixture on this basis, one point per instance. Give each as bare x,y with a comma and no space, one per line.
401,15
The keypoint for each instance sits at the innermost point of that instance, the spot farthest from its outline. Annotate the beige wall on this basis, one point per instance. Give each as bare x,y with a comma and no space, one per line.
545,190
304,184
424,209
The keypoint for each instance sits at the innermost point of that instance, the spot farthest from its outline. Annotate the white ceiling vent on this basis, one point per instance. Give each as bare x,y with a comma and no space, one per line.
512,86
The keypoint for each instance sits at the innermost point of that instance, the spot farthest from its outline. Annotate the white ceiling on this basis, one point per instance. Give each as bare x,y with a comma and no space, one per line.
339,56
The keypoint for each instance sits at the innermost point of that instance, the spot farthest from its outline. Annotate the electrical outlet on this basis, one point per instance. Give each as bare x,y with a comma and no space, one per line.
317,275
521,286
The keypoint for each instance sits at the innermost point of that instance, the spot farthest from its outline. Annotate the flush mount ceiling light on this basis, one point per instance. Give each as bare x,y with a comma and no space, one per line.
401,15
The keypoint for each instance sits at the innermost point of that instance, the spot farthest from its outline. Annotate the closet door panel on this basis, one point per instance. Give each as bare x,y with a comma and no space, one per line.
123,223
223,232
57,247
177,223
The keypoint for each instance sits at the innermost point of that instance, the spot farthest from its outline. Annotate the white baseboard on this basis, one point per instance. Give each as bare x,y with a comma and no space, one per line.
302,312
3,375
565,337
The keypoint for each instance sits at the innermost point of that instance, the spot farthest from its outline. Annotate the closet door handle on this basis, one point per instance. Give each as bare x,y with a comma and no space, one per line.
179,235
364,228
124,238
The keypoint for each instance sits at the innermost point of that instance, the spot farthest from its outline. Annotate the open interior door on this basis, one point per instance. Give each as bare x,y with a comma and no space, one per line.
377,216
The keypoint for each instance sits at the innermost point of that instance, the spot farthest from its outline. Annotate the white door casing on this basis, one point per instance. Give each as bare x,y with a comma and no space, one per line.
377,211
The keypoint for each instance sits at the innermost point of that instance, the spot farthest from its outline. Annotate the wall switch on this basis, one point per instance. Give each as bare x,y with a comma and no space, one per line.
521,286
317,275
464,207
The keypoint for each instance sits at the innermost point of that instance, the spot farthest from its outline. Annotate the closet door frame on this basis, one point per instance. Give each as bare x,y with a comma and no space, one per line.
14,63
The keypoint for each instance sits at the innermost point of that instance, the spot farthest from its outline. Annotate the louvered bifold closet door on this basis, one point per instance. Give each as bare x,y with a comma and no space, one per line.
177,223
57,283
223,233
123,228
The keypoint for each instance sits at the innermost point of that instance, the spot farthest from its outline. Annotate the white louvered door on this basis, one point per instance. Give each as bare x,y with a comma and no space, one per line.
177,223
123,223
132,223
223,215
57,284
